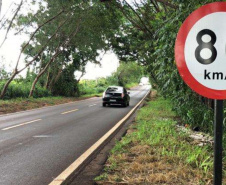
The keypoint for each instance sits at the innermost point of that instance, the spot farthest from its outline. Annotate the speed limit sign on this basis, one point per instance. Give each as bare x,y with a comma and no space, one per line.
200,51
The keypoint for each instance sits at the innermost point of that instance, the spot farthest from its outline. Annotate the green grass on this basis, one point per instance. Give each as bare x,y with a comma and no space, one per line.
21,104
155,134
157,128
128,86
21,89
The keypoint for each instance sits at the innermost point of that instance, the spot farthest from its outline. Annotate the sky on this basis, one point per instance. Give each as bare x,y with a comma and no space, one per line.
10,51
109,64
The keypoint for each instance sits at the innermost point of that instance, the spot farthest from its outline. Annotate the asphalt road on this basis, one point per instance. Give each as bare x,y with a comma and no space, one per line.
37,145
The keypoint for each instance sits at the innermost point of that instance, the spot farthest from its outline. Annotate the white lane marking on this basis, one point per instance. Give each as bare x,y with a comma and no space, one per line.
92,105
69,111
42,136
22,124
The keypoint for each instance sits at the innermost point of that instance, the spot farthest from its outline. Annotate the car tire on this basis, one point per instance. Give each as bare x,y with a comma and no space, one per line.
104,104
128,104
124,104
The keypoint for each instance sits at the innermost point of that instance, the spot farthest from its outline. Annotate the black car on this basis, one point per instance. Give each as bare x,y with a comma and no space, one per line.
116,95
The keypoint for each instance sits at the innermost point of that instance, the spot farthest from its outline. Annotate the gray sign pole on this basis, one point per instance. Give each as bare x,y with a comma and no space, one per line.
218,136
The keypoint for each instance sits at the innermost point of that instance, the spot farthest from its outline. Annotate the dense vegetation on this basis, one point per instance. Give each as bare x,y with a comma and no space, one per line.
127,75
68,34
150,152
151,28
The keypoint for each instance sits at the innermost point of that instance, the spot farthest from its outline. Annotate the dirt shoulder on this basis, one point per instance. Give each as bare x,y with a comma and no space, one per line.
155,152
22,104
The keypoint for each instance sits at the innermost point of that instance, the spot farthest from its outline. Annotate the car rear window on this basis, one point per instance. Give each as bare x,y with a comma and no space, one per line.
114,89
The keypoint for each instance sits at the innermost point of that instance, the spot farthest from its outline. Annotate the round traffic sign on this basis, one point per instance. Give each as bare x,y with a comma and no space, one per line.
200,50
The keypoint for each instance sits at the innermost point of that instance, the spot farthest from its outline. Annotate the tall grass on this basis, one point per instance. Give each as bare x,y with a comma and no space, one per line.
155,152
21,90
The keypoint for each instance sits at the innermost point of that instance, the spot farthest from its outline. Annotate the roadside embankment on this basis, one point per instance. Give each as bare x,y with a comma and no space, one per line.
22,104
154,151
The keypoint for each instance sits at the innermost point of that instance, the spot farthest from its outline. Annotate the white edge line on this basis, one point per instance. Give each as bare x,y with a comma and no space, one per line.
67,172
46,107
25,123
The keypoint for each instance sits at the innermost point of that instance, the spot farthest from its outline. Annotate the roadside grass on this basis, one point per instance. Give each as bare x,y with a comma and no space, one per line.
131,85
21,104
154,152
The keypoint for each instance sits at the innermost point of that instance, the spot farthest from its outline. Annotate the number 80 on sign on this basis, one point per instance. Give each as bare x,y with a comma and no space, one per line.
200,51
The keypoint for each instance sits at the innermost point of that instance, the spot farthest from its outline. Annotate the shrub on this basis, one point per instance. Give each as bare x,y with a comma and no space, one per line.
21,90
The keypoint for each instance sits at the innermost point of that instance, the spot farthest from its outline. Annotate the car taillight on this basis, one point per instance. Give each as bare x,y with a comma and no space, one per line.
122,95
103,94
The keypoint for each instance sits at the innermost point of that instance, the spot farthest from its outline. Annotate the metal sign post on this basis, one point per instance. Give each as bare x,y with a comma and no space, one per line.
218,136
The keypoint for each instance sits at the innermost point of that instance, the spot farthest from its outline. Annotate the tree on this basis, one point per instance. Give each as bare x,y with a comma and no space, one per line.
11,21
147,36
128,73
0,7
40,51
4,75
57,52
96,26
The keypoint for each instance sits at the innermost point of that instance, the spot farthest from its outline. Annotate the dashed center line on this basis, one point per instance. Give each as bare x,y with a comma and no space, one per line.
42,136
69,111
22,124
92,105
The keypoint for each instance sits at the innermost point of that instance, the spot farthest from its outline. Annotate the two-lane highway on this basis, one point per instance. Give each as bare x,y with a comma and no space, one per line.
37,145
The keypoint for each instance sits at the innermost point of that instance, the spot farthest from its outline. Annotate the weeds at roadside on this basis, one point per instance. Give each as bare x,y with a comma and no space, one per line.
156,153
21,104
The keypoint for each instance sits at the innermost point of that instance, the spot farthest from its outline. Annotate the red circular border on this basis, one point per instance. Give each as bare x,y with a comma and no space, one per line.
180,45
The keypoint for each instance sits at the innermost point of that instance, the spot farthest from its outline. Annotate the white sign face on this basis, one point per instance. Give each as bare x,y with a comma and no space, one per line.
200,50
205,51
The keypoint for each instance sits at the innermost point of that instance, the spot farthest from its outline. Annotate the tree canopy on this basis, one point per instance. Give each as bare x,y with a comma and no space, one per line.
65,35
